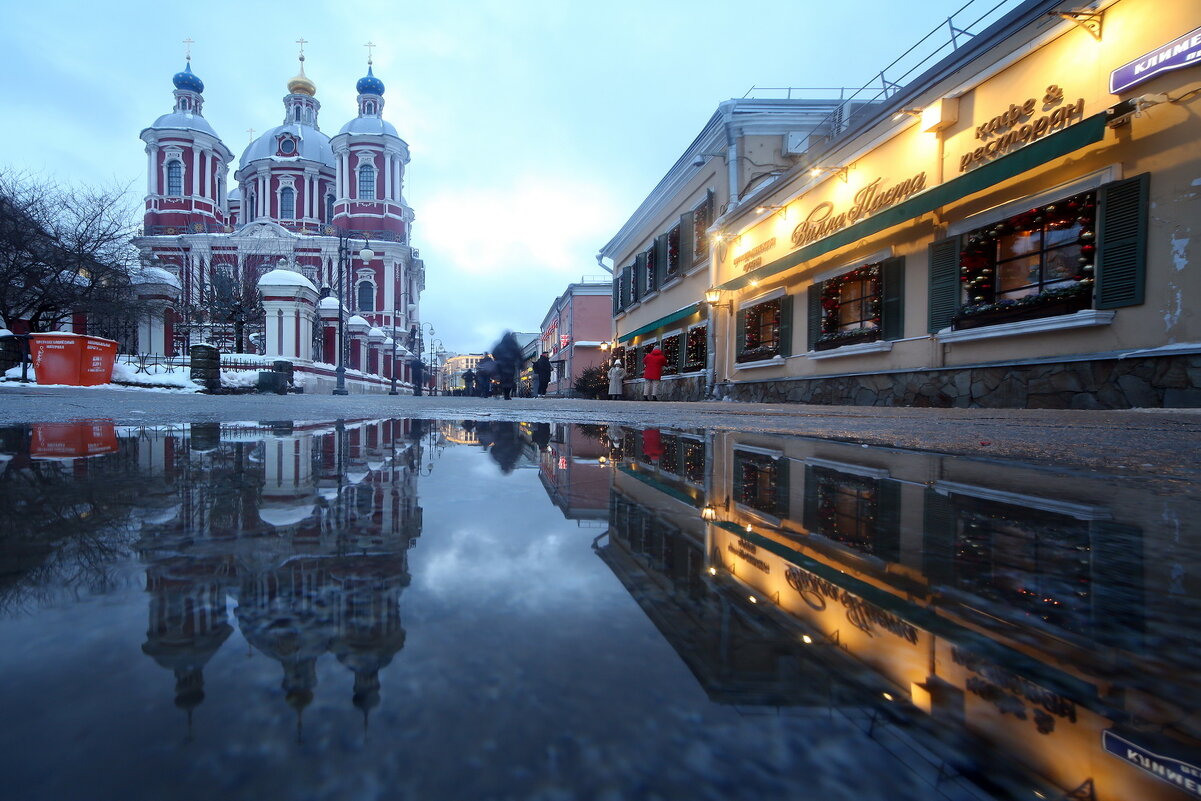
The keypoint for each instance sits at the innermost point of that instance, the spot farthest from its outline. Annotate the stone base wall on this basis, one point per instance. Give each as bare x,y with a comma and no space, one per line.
688,388
1164,381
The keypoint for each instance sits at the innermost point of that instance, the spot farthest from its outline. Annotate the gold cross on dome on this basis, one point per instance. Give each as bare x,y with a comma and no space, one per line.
188,47
369,47
302,42
251,132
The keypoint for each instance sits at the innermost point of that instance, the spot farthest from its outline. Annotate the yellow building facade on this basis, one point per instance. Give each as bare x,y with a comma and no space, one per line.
1013,228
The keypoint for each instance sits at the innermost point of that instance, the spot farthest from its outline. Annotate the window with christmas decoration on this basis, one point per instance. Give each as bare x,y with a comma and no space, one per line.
673,251
1036,264
649,277
701,220
761,335
671,347
630,361
761,483
850,308
693,456
669,462
860,512
696,348
1039,563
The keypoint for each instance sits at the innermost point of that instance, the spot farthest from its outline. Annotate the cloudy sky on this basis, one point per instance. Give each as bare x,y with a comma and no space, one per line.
536,126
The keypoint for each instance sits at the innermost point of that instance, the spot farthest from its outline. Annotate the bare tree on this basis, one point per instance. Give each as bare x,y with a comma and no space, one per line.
64,250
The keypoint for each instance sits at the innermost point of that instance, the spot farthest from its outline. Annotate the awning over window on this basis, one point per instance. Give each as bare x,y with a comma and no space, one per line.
687,311
1085,132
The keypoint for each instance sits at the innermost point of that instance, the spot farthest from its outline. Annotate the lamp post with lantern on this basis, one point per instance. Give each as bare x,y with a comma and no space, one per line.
344,259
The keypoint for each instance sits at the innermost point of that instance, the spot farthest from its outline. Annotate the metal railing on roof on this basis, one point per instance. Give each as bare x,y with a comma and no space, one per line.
797,92
958,29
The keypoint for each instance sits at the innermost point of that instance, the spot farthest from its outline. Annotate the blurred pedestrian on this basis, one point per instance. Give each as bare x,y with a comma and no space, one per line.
469,382
652,371
507,355
617,375
541,368
485,371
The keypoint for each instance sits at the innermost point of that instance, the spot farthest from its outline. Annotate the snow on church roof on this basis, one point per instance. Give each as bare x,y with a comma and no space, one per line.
369,125
185,121
313,145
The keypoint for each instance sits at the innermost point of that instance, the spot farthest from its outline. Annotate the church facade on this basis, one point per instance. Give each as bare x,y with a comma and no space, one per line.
259,268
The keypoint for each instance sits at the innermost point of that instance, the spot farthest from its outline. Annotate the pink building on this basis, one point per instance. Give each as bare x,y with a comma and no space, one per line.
578,323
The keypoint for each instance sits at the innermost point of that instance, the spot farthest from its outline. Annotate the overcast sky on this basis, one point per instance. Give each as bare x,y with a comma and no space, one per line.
536,127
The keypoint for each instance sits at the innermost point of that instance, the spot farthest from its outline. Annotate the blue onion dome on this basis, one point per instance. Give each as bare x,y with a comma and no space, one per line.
369,84
187,81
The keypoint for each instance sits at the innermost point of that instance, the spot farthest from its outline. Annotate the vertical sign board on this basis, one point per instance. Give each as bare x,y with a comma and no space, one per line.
1176,54
1182,775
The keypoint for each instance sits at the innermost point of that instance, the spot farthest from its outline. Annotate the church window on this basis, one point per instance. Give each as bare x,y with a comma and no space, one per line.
287,204
174,179
287,146
366,182
366,296
329,208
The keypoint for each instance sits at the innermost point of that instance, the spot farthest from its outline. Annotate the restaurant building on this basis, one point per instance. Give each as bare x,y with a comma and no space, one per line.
1012,228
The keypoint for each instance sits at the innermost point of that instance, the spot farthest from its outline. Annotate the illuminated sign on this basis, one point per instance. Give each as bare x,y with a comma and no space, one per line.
822,221
866,617
1021,127
1173,771
1176,54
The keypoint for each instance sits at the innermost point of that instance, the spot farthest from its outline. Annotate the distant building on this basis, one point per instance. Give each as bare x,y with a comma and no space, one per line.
575,331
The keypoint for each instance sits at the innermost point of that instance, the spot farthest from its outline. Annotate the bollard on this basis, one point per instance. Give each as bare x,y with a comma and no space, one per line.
285,368
272,382
206,367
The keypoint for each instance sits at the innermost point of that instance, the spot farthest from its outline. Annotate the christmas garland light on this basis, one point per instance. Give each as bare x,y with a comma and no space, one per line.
671,349
673,251
697,348
753,346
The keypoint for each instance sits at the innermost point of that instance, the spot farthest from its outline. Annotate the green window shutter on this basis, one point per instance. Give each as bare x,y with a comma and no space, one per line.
814,323
1121,264
782,487
1119,611
944,283
887,541
660,260
626,287
892,298
639,276
740,332
739,469
687,229
680,352
786,304
616,294
941,529
809,518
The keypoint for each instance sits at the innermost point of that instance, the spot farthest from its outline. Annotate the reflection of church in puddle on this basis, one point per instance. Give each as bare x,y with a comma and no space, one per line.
951,606
307,528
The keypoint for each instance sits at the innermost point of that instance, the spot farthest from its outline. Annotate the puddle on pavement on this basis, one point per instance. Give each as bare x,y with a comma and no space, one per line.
459,610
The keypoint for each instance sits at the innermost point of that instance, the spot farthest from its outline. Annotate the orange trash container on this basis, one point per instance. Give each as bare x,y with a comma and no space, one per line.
55,357
96,362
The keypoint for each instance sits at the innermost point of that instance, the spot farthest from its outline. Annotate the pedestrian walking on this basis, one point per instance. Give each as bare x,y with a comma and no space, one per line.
541,368
507,355
468,382
485,371
652,371
617,375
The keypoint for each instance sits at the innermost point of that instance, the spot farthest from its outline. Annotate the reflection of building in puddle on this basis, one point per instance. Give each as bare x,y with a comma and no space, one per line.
308,528
1034,614
573,467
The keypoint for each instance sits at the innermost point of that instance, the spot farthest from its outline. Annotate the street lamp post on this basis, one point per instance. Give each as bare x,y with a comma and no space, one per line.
433,364
366,254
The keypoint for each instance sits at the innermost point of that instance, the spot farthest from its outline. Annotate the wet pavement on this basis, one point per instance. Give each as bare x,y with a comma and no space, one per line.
562,600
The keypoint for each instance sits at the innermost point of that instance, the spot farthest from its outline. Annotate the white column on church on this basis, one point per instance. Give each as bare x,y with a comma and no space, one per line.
152,151
194,183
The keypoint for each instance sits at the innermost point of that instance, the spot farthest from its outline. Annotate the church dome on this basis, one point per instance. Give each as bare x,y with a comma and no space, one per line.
369,125
187,80
312,145
301,85
369,84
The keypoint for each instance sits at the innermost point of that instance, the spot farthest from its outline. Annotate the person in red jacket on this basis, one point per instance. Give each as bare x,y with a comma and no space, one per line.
652,371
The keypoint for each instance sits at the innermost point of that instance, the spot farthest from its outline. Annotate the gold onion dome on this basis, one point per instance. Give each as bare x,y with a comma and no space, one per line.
301,85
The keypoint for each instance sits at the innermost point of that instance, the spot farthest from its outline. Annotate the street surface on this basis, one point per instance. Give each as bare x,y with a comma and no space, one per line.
1163,446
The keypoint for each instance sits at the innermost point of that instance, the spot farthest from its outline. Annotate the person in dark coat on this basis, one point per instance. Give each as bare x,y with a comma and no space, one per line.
541,368
468,382
485,371
418,369
507,355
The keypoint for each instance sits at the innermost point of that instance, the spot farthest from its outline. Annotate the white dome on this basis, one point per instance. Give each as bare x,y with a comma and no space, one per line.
286,278
358,320
369,125
185,121
314,146
377,333
235,195
330,302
